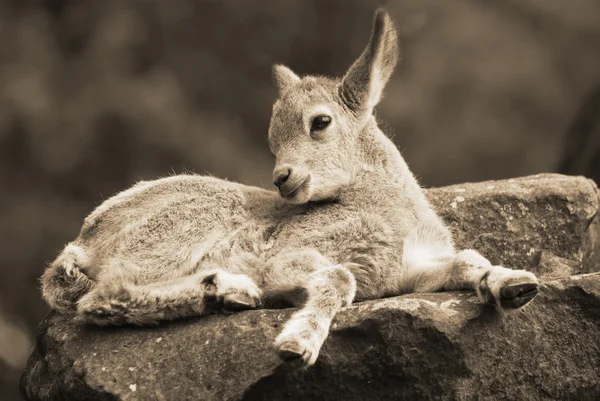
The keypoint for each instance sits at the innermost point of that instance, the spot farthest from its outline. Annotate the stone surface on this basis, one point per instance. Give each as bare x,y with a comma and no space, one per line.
428,346
415,346
523,223
591,246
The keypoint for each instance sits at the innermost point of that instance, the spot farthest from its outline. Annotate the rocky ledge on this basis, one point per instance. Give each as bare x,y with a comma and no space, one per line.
415,346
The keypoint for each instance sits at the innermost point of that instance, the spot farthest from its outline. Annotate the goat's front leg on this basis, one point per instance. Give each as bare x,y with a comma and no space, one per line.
328,288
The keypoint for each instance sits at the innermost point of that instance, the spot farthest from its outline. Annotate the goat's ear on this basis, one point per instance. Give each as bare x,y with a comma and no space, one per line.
284,78
364,82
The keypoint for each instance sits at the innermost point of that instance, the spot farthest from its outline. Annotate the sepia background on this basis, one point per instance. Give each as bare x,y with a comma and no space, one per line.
95,95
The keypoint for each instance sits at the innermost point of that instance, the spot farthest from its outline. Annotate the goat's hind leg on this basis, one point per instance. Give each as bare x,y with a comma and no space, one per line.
65,280
206,292
506,288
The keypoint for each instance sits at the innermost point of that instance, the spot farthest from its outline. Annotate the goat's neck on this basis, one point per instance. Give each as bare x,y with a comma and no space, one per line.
380,170
378,152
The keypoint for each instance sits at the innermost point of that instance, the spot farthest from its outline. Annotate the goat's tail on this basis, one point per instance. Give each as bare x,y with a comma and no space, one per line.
63,282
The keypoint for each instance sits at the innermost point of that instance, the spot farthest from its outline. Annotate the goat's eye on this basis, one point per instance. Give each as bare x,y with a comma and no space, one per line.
320,122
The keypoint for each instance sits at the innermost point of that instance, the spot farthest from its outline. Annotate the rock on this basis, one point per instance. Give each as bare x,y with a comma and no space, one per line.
522,223
591,246
415,346
427,346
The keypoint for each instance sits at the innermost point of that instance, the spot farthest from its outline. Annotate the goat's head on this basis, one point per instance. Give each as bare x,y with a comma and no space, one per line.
317,121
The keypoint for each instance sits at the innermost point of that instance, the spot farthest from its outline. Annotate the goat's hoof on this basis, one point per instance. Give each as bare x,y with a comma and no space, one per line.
231,292
517,295
508,289
240,301
295,354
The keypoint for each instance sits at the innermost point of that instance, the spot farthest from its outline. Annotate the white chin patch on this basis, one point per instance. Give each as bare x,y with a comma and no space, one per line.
330,191
326,193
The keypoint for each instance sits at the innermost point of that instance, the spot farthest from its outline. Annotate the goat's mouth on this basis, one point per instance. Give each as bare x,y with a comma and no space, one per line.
291,194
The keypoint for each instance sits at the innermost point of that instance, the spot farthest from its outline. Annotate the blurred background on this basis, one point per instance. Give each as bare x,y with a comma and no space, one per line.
95,95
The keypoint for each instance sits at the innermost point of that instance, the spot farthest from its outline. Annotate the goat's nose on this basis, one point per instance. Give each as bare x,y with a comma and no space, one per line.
281,175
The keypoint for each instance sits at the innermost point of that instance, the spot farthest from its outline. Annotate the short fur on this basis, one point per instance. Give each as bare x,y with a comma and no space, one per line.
350,223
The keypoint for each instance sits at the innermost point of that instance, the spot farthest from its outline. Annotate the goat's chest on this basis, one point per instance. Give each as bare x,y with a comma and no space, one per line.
336,234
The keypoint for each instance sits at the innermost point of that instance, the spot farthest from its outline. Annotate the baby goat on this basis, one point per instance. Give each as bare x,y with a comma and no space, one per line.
350,223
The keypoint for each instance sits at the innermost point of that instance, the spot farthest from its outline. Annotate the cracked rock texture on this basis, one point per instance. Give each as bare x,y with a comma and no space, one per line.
414,346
